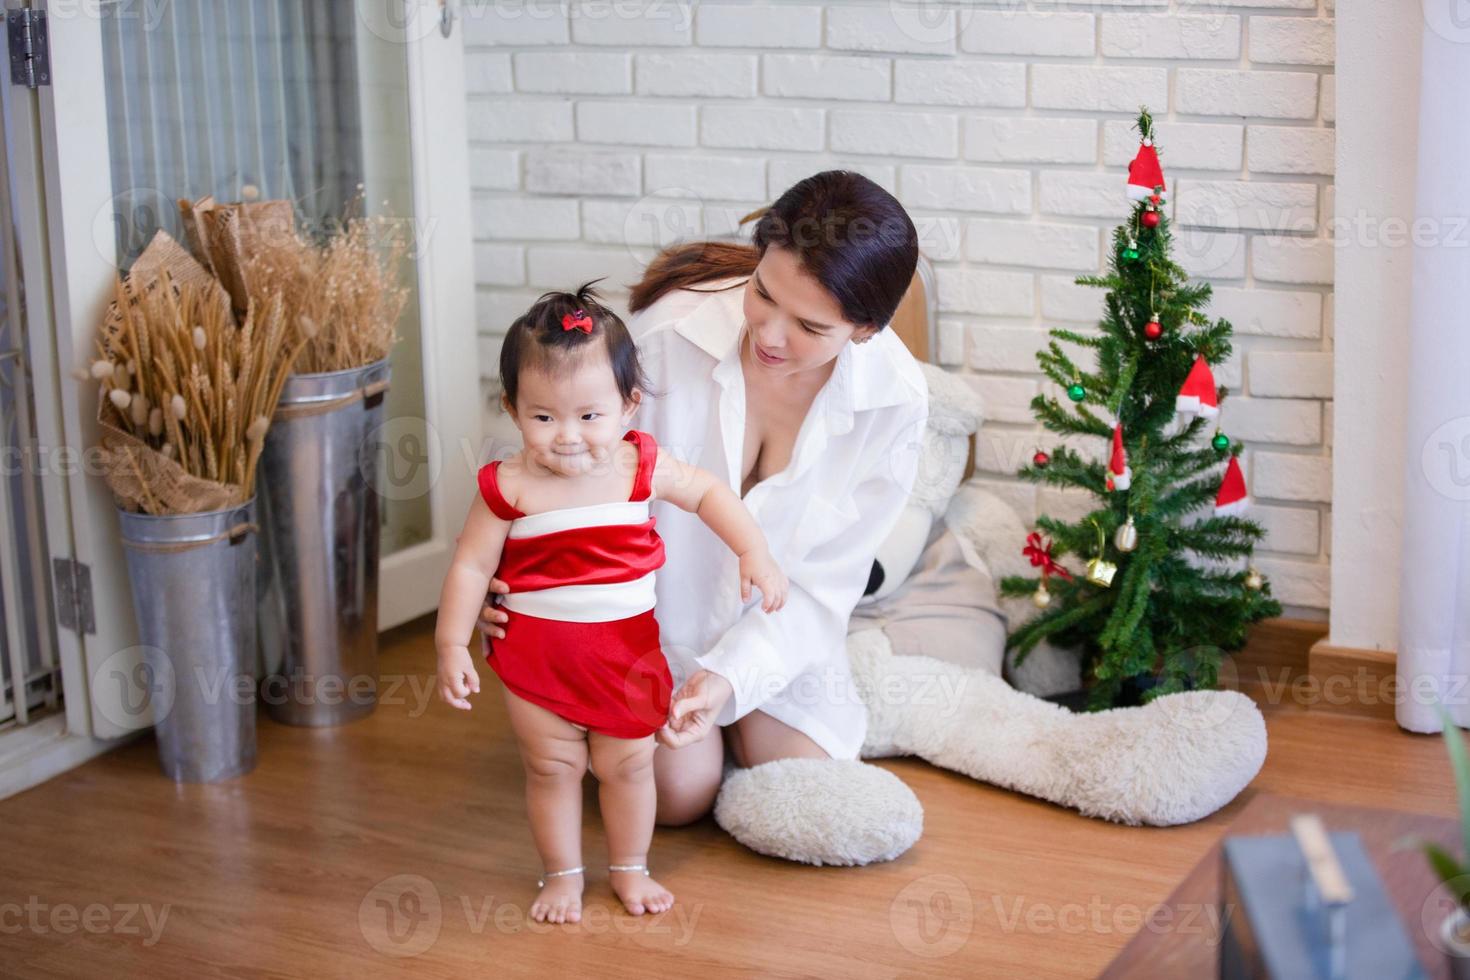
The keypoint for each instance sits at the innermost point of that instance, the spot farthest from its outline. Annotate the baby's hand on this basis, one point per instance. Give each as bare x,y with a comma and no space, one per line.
759,568
457,676
693,709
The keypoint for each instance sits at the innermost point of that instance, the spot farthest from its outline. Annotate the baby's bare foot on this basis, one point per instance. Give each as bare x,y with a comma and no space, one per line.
640,893
560,900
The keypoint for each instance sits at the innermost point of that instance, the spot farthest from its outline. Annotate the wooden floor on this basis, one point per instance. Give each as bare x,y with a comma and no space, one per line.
398,845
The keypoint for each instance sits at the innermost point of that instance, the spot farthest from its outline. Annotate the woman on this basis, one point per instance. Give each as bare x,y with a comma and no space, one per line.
775,370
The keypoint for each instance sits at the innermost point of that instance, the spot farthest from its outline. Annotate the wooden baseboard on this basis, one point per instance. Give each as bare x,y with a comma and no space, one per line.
1288,663
1275,660
1351,681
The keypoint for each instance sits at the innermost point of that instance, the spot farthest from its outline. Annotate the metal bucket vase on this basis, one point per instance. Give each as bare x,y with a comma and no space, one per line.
319,547
193,578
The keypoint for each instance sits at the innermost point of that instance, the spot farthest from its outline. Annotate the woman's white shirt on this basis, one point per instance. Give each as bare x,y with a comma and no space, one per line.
824,516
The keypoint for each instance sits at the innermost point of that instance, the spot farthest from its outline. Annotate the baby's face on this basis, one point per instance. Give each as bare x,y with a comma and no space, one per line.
572,417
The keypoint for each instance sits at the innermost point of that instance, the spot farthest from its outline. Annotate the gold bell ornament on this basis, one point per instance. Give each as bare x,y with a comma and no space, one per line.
1100,571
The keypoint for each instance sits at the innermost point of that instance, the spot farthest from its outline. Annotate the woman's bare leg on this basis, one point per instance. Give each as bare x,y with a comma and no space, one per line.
757,738
624,769
688,779
555,755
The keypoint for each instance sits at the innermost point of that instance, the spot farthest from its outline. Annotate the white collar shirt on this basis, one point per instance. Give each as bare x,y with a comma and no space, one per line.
824,516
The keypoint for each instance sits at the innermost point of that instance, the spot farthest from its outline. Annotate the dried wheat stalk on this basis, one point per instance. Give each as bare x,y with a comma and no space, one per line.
345,290
188,395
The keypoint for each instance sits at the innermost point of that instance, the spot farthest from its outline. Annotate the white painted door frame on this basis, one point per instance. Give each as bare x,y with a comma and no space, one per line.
60,143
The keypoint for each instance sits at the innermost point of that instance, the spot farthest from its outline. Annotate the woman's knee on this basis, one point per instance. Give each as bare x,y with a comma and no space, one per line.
685,805
687,784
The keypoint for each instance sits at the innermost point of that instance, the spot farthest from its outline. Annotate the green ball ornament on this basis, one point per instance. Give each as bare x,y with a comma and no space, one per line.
1131,254
1076,392
1221,442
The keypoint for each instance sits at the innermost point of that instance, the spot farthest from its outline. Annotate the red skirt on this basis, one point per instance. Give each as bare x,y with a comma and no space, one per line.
611,678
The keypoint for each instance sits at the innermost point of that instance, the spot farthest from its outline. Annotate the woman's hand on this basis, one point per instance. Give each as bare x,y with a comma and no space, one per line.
757,567
694,709
491,615
457,676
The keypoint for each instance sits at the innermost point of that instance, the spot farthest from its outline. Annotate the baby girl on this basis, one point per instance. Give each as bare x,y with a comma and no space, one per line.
565,524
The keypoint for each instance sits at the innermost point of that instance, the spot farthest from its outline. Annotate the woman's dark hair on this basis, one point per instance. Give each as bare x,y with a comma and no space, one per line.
848,233
538,340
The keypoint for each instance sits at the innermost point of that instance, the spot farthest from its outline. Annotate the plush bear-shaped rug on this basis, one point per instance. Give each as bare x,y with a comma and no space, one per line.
927,647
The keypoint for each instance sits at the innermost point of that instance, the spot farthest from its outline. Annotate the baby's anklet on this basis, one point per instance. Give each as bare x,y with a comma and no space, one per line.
541,882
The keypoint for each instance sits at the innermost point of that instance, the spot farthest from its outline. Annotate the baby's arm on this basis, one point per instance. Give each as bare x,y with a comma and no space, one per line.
699,492
476,557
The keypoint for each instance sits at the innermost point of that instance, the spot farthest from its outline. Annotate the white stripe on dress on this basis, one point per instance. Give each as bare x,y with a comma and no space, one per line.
566,518
598,603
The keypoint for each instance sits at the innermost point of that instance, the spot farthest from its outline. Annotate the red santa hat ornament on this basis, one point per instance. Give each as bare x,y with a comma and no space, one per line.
1145,176
1197,394
1232,500
1120,476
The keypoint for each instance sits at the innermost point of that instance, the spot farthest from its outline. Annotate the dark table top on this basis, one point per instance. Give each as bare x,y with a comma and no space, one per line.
1182,938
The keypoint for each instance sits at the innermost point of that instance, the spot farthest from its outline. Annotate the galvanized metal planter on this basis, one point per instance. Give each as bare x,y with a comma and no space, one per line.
193,579
319,568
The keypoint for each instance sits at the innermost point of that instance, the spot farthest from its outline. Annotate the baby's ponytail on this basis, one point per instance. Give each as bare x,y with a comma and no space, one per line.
562,324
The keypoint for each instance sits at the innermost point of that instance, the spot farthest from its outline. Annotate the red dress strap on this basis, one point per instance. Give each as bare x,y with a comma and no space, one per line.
490,490
647,457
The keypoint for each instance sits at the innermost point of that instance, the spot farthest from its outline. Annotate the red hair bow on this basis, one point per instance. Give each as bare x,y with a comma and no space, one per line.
1040,554
578,320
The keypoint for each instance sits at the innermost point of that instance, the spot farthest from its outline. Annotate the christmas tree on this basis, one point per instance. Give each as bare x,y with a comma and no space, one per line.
1164,593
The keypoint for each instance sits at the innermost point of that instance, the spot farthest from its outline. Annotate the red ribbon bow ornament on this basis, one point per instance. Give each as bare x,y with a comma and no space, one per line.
578,320
1040,554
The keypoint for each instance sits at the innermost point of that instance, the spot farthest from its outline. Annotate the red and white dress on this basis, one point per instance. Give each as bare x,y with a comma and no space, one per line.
581,639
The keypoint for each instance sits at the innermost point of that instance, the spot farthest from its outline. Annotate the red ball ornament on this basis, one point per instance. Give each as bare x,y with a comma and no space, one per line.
1154,198
1150,219
1040,459
1152,330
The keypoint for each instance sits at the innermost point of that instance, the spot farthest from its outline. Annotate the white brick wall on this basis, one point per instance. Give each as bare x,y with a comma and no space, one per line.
600,129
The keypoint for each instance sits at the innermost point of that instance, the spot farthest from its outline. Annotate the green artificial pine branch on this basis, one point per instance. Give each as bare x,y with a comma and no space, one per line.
1179,599
1084,340
1050,411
